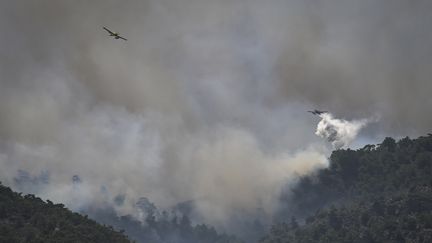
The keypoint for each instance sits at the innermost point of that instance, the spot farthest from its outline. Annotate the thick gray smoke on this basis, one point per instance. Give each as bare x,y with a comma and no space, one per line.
178,112
206,101
359,59
339,132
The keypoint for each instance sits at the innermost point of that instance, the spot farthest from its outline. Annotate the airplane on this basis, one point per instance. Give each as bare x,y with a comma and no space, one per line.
115,34
317,112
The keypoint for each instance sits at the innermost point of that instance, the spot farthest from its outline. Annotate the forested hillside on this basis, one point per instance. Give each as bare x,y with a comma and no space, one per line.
378,193
30,219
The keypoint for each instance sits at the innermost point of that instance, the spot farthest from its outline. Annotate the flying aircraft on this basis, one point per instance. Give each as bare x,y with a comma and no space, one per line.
114,34
317,112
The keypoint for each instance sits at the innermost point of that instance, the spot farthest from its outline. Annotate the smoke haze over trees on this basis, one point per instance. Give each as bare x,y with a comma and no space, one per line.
379,193
206,98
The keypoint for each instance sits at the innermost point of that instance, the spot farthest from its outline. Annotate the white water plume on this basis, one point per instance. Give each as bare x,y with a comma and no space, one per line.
339,132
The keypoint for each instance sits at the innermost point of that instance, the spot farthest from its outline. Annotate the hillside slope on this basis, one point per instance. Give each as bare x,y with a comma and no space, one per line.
30,219
378,193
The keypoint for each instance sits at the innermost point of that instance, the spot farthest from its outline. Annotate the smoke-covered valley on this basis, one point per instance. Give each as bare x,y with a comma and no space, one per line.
206,101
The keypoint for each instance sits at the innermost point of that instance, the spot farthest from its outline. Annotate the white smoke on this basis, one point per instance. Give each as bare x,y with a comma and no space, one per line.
339,132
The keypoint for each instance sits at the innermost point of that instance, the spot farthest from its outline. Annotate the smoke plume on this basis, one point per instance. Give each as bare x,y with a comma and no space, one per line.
207,99
339,132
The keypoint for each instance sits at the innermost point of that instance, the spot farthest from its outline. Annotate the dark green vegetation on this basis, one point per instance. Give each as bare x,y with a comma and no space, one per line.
30,219
375,194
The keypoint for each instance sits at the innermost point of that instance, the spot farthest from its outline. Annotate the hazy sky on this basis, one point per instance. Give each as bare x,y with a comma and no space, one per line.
206,100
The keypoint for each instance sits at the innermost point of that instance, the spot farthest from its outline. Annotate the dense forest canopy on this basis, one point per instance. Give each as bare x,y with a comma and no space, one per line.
379,193
30,219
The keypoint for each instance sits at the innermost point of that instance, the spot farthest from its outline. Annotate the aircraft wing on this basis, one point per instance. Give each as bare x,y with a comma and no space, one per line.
109,31
120,37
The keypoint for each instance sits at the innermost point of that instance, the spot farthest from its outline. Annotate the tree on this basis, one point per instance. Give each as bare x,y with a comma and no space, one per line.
384,194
